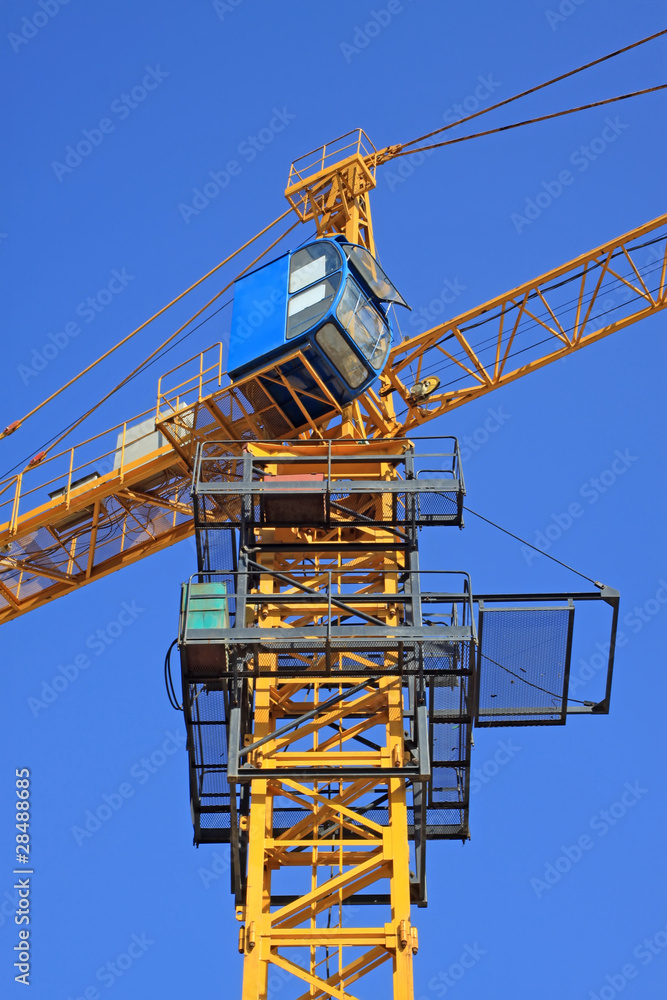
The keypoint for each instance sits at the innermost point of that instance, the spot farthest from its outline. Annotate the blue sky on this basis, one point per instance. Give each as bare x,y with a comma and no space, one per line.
256,84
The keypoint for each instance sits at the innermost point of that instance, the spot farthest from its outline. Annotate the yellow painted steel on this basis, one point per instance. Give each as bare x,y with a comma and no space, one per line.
375,854
586,275
329,186
336,851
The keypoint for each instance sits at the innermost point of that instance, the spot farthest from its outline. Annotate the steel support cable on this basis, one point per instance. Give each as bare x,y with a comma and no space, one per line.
525,93
486,346
180,340
524,542
574,277
164,343
596,263
16,424
532,121
401,146
491,342
522,350
482,345
138,372
548,288
598,293
537,687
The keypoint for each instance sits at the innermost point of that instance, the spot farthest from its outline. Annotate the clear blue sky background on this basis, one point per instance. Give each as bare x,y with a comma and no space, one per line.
222,73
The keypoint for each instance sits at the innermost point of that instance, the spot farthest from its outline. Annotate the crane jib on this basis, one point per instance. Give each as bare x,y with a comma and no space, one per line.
71,519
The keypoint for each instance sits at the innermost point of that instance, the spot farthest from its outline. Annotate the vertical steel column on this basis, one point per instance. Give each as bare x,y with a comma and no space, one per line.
334,852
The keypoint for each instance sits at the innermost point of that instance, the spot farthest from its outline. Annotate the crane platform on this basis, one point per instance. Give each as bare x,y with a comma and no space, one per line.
330,687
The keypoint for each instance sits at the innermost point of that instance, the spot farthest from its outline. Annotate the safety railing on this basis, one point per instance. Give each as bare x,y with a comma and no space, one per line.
60,479
199,376
322,483
206,469
341,601
317,160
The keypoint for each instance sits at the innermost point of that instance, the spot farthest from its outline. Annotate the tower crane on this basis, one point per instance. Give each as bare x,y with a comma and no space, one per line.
330,684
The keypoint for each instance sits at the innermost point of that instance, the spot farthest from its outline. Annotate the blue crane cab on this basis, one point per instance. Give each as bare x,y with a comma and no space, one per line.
327,301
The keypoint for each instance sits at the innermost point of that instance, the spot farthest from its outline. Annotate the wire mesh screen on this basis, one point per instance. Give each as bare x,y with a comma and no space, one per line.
450,693
321,507
440,508
216,553
205,713
205,658
524,665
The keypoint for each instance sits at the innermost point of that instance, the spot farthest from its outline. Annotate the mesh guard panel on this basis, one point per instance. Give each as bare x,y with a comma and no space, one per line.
524,665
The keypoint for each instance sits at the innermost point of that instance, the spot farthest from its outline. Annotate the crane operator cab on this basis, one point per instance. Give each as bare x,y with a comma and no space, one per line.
325,304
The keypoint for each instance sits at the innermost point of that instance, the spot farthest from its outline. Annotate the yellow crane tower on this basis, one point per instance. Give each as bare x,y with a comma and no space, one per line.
329,683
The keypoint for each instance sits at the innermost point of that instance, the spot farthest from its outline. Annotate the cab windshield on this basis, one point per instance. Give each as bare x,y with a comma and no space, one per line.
373,275
364,324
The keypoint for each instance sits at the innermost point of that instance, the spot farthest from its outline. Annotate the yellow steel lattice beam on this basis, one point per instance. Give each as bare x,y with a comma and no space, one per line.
542,321
334,850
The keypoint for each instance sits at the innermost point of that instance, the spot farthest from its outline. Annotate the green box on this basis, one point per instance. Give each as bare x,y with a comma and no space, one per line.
207,606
